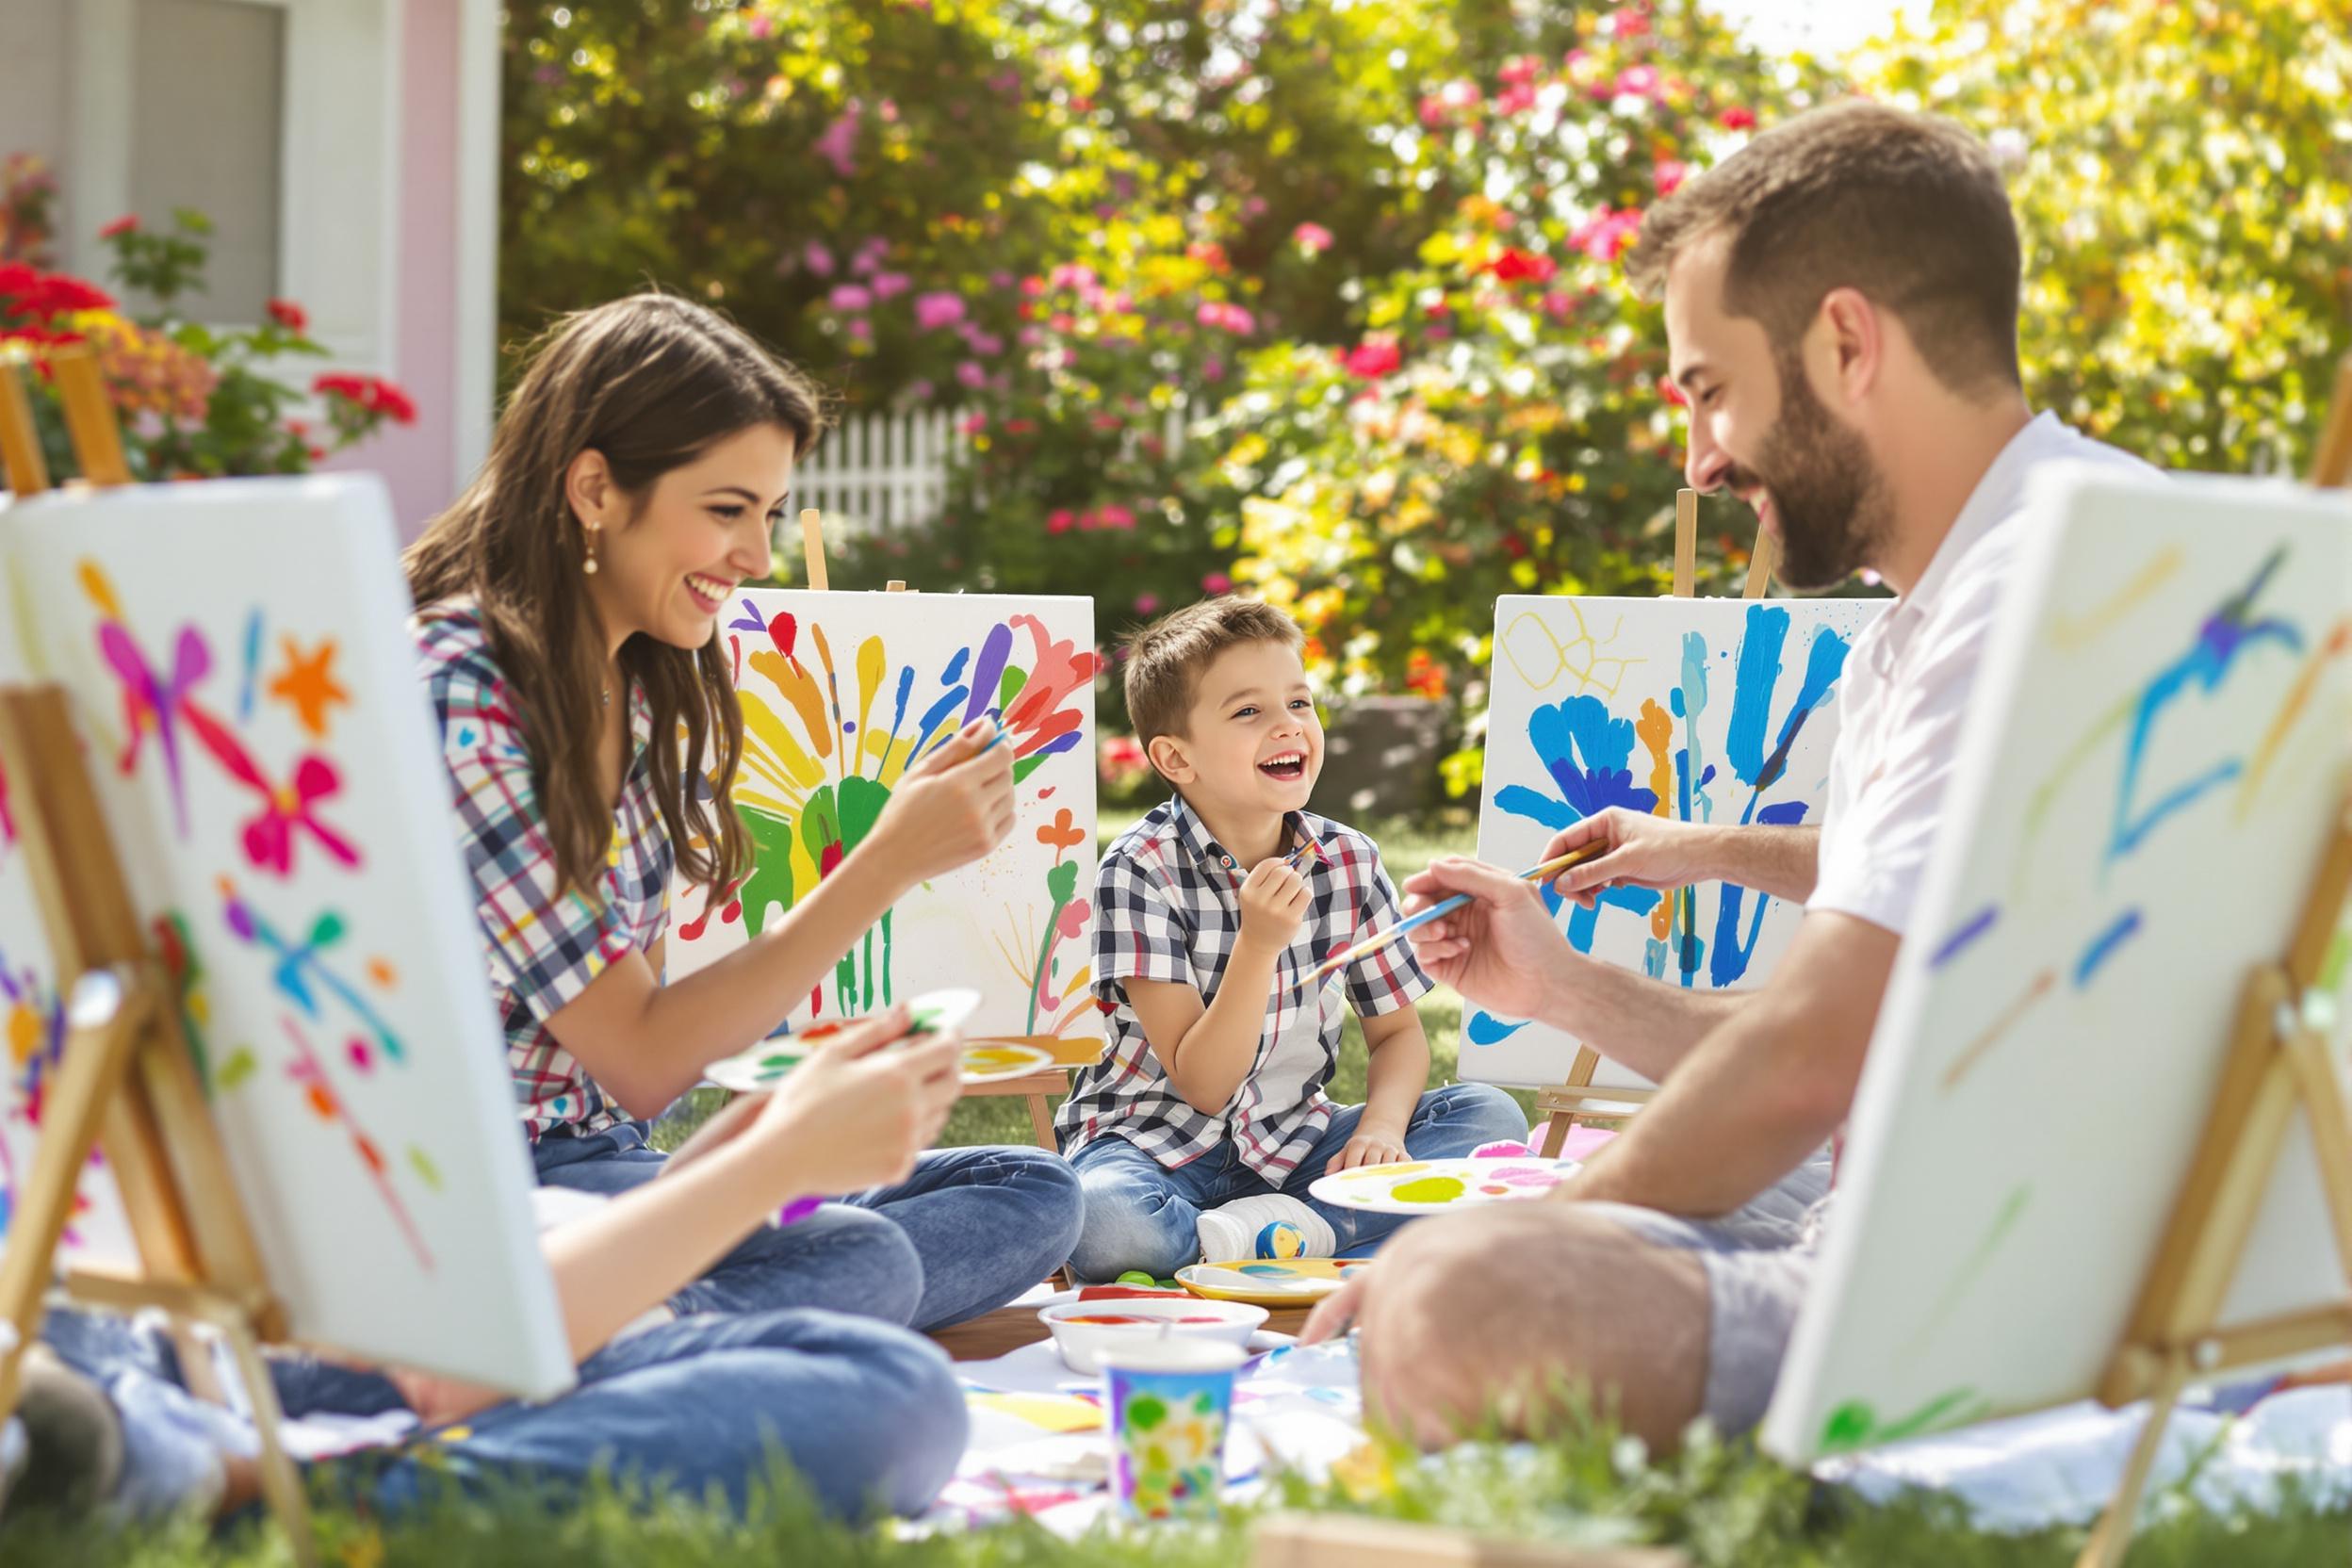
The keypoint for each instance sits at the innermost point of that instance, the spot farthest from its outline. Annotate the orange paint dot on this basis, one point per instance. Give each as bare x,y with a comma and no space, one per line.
323,1102
382,973
367,1152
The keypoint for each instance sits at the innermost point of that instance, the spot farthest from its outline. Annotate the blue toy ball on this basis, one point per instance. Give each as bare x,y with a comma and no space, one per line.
1281,1240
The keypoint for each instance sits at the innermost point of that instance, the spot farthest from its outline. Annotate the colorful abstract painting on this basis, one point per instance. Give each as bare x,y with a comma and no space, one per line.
2161,736
264,756
841,695
1708,711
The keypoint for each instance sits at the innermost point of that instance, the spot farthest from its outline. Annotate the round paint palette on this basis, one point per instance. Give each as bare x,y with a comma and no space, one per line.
1262,1282
989,1060
766,1064
1425,1186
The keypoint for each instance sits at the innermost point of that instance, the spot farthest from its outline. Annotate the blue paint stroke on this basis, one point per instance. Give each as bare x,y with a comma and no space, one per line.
2229,632
1959,941
1752,697
1588,755
1486,1029
1732,953
2104,946
253,667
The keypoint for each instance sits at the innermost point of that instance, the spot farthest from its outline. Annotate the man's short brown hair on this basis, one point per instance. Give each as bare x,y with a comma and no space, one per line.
1906,208
1166,659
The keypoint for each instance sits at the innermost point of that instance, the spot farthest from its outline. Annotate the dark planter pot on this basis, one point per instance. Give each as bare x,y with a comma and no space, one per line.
1380,758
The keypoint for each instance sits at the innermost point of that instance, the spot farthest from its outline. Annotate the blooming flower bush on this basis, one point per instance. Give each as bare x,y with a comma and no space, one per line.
194,401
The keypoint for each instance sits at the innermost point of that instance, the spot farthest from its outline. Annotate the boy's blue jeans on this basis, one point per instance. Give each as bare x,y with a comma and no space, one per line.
871,1415
1141,1214
970,1230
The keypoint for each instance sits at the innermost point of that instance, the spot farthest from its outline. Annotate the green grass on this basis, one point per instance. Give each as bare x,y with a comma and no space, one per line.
1722,1506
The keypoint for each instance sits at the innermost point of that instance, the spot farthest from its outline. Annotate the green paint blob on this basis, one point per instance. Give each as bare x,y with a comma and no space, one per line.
1135,1276
1849,1427
239,1067
1146,1413
1428,1190
426,1170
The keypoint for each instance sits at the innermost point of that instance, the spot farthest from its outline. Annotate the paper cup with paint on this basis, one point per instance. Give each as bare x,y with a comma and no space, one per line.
1168,1403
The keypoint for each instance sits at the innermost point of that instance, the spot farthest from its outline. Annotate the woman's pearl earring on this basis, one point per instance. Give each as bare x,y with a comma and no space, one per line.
589,566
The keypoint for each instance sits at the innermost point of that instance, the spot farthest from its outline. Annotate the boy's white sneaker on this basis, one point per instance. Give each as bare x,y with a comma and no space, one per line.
1268,1226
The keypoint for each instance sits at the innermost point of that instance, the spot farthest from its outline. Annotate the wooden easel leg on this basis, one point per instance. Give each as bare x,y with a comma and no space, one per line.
280,1480
2114,1531
1042,1124
108,1009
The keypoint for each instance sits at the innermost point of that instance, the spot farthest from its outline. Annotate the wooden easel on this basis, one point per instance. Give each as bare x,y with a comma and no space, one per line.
1571,1103
127,1084
2277,1062
1037,1088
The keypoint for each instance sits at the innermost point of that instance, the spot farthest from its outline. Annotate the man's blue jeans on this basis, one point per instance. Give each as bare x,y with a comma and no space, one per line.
1141,1214
871,1415
970,1230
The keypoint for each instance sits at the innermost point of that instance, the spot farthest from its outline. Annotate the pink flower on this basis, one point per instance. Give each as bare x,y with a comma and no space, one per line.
973,374
1031,336
869,256
851,296
1608,234
1217,583
973,424
1373,358
1737,120
1086,522
1521,70
1213,368
1146,603
1670,173
760,26
986,344
1228,318
128,223
1514,100
920,391
1116,517
860,327
817,259
1060,521
837,146
1073,274
1314,239
885,284
1558,305
1000,279
1638,81
934,311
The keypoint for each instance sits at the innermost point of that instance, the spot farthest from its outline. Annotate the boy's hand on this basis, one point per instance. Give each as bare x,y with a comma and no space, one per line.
1370,1146
1273,903
953,807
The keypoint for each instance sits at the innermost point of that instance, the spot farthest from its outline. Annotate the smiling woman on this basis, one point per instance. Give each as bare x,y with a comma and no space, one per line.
567,623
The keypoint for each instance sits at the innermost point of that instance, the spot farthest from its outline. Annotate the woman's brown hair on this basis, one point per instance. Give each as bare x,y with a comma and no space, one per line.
649,381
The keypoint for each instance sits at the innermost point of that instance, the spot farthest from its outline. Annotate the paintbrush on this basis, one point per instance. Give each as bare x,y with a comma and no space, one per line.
1331,968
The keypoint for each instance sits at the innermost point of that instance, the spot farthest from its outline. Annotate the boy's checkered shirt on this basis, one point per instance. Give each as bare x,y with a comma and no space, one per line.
1168,907
542,946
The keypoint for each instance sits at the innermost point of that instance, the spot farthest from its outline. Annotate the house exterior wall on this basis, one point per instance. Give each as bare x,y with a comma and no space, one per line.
438,315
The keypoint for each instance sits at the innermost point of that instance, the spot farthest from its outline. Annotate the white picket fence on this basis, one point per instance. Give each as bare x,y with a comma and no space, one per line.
879,473
882,472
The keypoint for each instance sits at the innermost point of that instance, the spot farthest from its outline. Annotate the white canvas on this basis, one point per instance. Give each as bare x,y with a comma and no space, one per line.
2159,738
842,692
264,753
1720,711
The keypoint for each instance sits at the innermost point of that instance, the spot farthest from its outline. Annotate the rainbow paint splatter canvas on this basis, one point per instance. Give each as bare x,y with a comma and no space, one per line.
843,693
1716,710
2160,742
262,752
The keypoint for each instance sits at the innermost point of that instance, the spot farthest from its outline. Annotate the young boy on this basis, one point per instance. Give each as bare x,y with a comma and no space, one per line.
1200,1129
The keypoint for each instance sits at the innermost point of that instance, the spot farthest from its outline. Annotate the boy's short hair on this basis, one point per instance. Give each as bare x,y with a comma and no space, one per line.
1165,659
1907,209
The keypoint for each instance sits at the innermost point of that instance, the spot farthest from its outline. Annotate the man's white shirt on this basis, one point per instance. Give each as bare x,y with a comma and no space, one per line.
1907,684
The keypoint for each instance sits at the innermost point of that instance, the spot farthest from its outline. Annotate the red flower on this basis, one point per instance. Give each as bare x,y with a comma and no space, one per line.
1608,234
1669,174
289,314
373,394
1516,266
1060,521
128,223
1671,393
1737,120
38,296
1375,357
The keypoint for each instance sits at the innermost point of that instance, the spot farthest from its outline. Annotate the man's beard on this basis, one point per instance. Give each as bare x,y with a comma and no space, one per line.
1827,495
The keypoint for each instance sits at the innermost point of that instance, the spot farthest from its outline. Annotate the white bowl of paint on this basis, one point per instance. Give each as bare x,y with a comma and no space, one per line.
1082,1330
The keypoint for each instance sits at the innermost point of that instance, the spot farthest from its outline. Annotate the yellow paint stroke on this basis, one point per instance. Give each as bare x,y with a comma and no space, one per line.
27,621
2298,698
869,667
1999,1027
101,591
1655,727
2070,632
1056,1412
778,773
2044,794
832,691
798,688
1562,656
